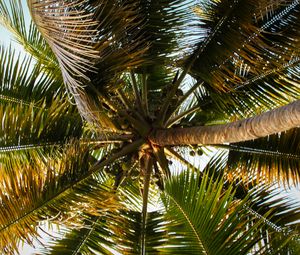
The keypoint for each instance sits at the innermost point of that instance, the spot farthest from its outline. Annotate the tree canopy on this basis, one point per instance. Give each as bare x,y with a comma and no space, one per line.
106,120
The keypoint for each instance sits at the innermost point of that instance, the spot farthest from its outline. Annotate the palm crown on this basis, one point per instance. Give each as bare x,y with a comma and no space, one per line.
112,96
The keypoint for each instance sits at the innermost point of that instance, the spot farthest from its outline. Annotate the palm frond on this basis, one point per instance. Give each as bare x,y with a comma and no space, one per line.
117,231
284,210
48,120
39,127
71,40
220,22
207,219
129,237
119,45
87,39
23,81
70,31
266,90
258,68
94,236
165,28
246,22
275,158
31,198
13,18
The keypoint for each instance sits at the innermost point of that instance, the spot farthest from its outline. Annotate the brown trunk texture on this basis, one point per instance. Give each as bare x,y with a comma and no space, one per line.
271,122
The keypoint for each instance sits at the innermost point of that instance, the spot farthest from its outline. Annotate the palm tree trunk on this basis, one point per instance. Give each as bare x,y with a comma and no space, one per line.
274,121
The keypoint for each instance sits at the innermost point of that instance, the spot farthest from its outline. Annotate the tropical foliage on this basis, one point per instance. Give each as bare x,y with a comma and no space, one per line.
101,120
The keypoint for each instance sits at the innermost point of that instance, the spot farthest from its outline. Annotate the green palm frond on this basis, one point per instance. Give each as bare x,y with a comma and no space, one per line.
43,125
283,209
163,28
13,18
129,238
116,230
144,75
269,159
151,36
143,231
119,232
36,133
207,219
119,45
266,90
256,70
94,236
31,198
24,82
249,22
220,21
48,120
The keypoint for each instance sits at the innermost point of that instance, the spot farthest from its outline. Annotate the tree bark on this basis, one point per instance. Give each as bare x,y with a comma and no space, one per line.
271,122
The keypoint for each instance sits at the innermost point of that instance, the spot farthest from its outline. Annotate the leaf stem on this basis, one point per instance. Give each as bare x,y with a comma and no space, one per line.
100,164
147,165
136,92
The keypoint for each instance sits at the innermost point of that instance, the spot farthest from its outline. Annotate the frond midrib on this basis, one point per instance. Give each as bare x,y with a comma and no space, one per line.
268,24
72,185
86,237
29,146
259,151
190,223
266,74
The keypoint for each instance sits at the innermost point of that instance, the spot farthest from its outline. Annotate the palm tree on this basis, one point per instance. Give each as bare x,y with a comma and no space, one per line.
110,99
